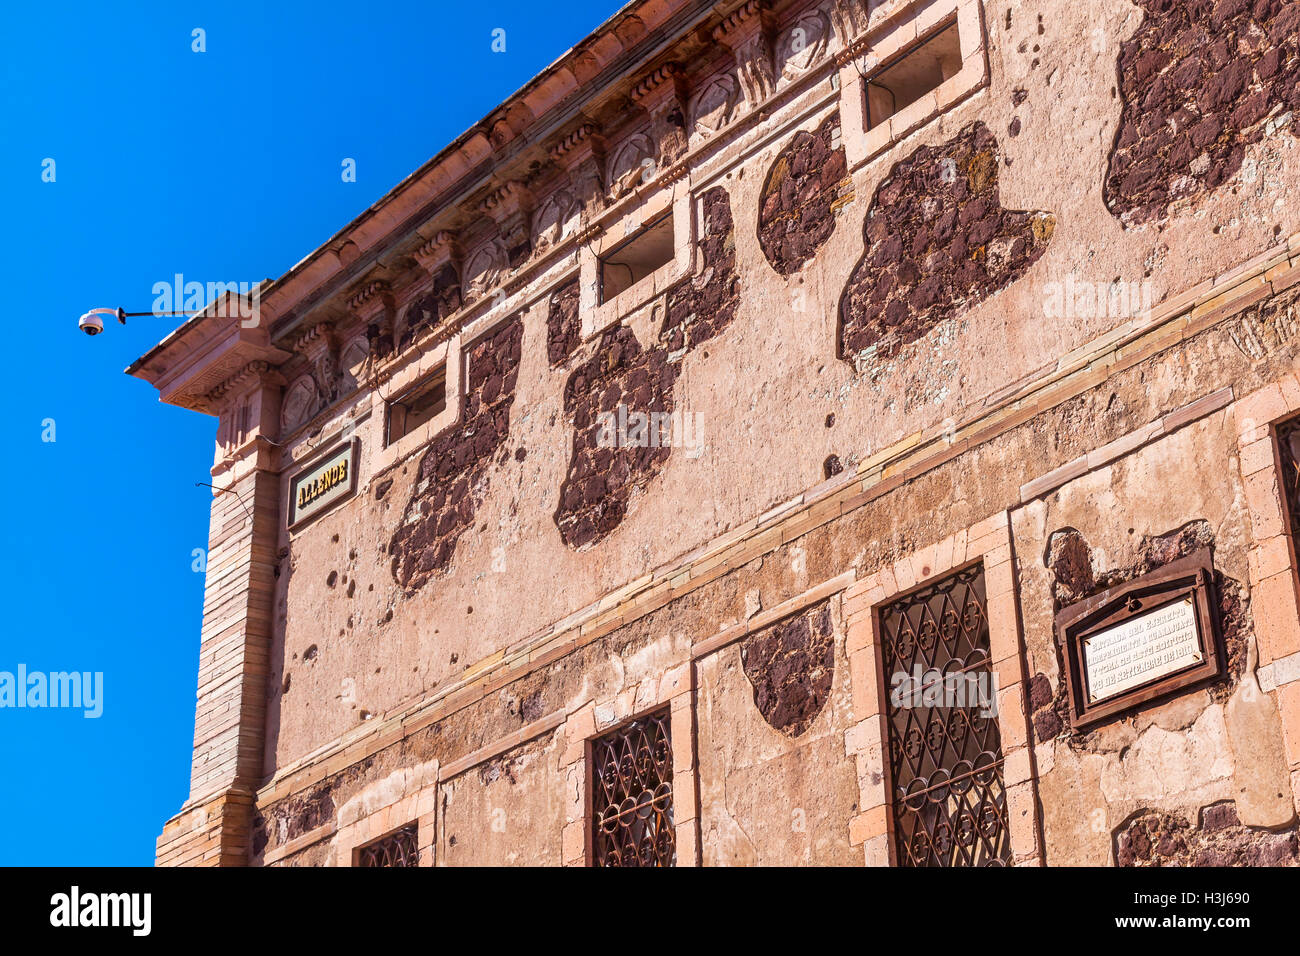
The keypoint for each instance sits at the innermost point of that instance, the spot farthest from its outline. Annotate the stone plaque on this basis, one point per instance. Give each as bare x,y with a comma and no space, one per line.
1142,640
1141,649
322,485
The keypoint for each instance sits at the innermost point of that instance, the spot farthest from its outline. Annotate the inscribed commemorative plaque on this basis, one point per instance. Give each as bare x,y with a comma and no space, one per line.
1141,649
1141,640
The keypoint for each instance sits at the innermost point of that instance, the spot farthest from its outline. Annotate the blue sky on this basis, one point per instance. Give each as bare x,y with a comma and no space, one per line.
223,166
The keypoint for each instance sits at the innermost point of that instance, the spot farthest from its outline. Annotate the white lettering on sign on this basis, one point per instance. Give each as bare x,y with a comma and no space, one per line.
1141,649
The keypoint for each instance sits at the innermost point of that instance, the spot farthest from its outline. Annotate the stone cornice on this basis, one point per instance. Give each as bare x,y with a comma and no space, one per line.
257,371
743,21
369,299
652,90
433,253
580,141
507,200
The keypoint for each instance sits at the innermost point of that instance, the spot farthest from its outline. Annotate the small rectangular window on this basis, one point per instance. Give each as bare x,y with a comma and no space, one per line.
633,260
400,848
416,407
632,794
915,72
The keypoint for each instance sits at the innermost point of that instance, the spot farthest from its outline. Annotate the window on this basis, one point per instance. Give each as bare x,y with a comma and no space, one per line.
633,260
632,795
1287,434
912,74
400,848
945,750
417,407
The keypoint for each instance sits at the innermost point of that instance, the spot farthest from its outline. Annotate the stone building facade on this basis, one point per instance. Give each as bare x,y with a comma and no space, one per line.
594,496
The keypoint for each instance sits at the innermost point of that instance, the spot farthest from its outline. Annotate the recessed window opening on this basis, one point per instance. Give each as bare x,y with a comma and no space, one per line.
917,71
417,407
400,848
633,260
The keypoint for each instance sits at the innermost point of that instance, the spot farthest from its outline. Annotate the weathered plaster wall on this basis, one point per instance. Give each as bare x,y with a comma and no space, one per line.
777,795
508,811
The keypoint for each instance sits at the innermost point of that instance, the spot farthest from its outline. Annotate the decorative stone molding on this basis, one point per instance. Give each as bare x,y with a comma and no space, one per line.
511,206
371,299
586,135
582,153
301,402
438,251
714,107
484,267
257,371
631,164
747,32
800,47
848,20
662,93
551,223
373,303
320,346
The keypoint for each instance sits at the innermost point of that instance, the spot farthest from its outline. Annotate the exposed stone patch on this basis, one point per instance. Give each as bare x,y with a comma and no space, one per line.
600,480
450,482
1152,839
791,665
938,241
1042,709
701,306
1267,327
806,185
1075,576
293,817
440,301
563,323
1197,81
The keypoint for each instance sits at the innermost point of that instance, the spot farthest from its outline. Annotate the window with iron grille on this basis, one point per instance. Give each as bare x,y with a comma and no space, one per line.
945,752
1288,448
400,848
632,795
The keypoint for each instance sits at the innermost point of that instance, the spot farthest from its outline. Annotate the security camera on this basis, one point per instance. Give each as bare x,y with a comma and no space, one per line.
92,323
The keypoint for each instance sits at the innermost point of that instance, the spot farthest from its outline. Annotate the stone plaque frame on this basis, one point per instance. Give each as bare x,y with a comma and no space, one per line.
294,521
1191,578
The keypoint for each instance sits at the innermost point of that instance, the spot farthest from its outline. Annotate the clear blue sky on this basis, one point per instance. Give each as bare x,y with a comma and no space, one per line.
223,166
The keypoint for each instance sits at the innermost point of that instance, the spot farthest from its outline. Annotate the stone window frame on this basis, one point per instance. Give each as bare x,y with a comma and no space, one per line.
598,316
1271,556
357,851
675,689
447,353
369,822
987,542
923,22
